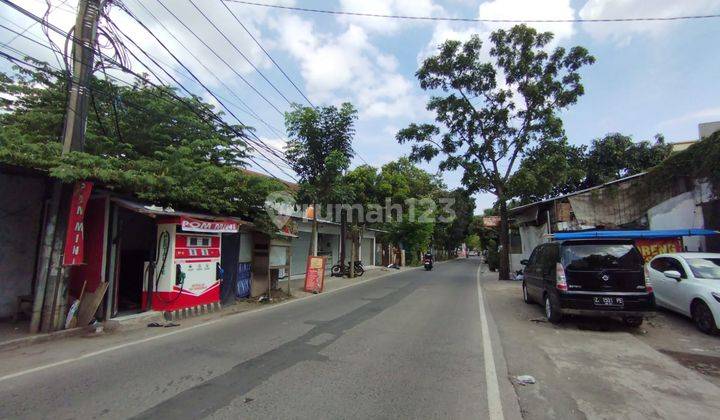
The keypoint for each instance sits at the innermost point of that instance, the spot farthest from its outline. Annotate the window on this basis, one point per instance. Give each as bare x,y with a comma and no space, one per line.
659,264
674,264
705,268
534,256
602,256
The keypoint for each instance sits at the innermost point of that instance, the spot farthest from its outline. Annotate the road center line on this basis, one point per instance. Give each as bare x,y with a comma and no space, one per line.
491,381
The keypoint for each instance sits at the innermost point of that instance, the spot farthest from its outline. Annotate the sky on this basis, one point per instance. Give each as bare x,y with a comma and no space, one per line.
649,78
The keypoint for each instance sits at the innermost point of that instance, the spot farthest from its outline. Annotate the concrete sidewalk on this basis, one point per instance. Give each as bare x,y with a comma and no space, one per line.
297,283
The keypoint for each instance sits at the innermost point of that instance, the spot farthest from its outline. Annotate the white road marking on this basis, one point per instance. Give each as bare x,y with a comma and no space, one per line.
179,331
491,381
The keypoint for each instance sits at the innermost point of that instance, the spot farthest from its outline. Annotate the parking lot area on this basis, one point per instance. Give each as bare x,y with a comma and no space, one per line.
599,368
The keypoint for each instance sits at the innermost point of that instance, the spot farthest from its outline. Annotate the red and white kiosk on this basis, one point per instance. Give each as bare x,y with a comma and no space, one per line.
187,266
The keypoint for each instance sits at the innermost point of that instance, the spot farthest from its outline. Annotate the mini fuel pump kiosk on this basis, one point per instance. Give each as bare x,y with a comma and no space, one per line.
187,267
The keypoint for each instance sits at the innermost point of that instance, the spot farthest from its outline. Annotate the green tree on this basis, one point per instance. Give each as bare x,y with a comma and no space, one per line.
493,112
473,242
319,151
557,168
549,169
450,232
140,139
361,192
412,189
616,155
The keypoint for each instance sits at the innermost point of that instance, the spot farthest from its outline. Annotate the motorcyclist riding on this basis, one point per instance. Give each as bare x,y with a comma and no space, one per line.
428,260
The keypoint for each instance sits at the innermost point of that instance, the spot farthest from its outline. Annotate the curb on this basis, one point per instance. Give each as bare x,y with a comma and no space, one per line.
140,321
40,338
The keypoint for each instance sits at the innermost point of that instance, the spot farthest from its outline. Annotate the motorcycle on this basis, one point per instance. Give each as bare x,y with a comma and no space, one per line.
427,262
340,271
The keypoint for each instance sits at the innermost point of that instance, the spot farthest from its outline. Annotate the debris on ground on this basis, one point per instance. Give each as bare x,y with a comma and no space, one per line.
538,320
524,380
159,325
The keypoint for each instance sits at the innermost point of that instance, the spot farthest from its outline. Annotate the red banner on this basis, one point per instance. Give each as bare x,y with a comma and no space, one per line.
74,237
315,274
189,224
652,247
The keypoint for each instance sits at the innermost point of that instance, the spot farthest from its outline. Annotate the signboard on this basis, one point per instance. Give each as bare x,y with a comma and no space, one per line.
652,247
74,237
491,221
188,224
315,274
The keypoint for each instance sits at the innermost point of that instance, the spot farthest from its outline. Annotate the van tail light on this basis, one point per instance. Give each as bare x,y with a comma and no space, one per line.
648,283
560,280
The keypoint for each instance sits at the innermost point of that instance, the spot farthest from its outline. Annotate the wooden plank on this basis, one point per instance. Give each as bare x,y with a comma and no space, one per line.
89,305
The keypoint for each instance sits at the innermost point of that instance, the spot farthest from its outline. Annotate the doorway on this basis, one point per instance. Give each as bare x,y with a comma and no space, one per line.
135,246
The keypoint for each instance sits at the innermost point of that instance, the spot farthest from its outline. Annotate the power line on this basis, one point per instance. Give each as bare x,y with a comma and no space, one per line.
259,143
178,82
452,19
267,54
140,77
35,23
232,44
111,97
218,56
274,152
245,108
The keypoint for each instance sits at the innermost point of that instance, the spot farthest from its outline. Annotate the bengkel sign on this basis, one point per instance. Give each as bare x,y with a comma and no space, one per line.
189,224
649,248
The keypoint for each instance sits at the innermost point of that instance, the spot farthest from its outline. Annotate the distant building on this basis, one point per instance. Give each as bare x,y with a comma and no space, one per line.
679,146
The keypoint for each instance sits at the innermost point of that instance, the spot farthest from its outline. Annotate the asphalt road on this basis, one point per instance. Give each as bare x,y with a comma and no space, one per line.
410,345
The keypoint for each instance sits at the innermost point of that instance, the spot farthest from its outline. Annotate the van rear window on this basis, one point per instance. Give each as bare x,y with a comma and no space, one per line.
601,256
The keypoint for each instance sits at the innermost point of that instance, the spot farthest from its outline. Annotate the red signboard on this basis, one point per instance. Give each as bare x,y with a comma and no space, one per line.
189,224
74,237
652,247
315,274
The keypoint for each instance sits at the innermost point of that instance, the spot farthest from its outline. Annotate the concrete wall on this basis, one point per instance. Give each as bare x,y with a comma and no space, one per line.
515,263
367,251
328,244
680,212
21,206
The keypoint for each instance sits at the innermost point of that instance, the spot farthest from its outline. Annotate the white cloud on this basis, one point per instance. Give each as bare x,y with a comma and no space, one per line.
692,118
624,31
347,66
505,9
530,9
387,7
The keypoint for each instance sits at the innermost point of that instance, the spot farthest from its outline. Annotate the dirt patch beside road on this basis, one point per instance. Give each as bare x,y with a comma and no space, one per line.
598,368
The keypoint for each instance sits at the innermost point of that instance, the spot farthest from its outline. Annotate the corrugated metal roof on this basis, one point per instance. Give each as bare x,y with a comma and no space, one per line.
560,197
632,234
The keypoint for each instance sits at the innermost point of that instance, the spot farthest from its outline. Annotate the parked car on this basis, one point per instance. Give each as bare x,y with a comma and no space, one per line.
689,283
589,277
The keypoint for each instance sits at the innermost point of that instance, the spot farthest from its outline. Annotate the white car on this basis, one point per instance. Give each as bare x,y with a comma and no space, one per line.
689,283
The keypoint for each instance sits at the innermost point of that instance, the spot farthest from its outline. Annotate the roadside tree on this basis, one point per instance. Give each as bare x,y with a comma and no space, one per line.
319,151
494,111
140,139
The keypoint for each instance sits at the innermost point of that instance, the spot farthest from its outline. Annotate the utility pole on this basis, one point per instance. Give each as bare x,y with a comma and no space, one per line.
51,292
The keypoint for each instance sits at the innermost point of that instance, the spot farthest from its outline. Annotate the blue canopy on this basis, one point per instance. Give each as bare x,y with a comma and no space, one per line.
633,234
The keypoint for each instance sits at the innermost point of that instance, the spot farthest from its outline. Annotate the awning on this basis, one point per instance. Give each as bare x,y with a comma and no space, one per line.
191,222
632,234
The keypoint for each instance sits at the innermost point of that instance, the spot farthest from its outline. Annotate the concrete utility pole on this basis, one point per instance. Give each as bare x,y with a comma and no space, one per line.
51,291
